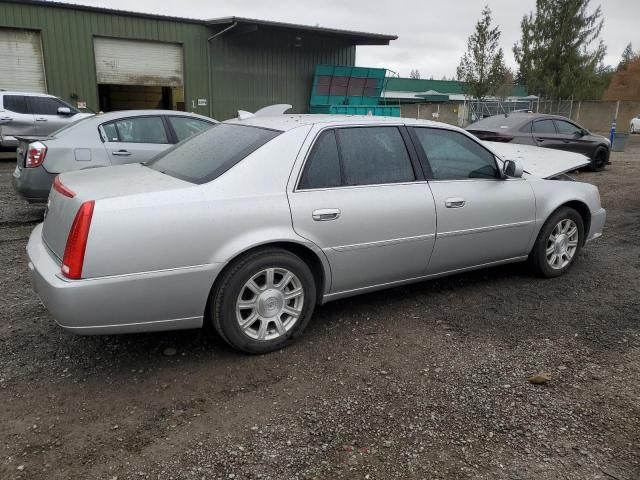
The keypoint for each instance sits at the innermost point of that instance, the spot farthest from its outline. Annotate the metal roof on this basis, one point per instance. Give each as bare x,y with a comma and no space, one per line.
111,11
360,38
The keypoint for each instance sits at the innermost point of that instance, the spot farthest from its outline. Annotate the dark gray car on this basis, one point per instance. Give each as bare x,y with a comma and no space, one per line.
548,131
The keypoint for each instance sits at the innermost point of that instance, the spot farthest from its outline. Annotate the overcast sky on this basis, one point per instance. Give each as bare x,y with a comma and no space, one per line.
432,35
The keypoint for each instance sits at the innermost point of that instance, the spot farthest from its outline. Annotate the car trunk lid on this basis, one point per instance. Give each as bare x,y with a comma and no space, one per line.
96,184
537,161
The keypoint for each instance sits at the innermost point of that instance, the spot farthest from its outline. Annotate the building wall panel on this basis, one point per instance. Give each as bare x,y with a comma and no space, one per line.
259,68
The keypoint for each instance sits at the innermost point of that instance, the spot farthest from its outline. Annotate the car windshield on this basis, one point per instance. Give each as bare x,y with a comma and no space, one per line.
207,155
498,122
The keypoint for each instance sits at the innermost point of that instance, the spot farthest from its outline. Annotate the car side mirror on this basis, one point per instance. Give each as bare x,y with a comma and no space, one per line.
512,169
64,111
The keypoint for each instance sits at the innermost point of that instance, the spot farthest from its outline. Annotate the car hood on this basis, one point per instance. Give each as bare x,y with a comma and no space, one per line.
538,161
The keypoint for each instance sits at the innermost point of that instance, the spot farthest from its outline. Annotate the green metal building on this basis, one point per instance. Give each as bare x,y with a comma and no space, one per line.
113,60
421,90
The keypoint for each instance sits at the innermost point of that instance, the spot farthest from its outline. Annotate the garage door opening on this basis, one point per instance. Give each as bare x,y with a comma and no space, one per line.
138,74
139,97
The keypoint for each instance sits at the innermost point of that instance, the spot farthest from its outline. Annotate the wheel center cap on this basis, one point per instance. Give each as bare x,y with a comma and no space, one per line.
270,303
561,243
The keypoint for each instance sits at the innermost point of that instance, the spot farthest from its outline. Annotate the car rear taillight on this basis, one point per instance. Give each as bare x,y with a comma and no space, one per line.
77,242
59,187
35,155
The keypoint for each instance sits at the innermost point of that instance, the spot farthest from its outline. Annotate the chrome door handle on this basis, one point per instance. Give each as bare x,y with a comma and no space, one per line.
5,119
325,214
41,120
454,202
121,153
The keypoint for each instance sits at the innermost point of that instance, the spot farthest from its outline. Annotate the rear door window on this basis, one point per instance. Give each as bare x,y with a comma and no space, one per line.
544,126
136,130
185,127
206,156
15,104
322,169
374,155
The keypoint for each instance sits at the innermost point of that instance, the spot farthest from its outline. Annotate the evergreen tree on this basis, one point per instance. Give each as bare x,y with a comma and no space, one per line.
482,65
627,56
415,74
554,52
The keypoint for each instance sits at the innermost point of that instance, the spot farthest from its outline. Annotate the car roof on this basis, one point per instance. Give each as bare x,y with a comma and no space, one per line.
30,94
513,120
289,122
102,117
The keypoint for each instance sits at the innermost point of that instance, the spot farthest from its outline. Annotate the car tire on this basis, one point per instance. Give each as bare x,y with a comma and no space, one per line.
632,129
556,237
250,306
599,159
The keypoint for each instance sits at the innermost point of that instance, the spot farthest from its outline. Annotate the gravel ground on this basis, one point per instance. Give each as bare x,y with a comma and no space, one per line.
426,381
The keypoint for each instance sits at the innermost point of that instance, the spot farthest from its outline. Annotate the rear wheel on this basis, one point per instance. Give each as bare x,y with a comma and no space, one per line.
558,243
599,160
263,301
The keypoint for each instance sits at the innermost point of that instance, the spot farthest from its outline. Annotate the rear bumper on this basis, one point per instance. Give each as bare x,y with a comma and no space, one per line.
33,184
597,224
142,302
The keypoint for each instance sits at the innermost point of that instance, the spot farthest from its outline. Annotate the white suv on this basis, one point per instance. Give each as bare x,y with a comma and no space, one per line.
635,125
34,115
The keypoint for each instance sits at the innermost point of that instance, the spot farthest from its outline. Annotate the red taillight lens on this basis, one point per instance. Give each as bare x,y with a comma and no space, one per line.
59,187
77,242
35,155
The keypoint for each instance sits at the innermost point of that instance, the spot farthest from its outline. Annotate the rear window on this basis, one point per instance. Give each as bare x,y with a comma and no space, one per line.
209,154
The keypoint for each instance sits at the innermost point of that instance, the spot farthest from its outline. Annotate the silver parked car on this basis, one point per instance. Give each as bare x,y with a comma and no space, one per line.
34,114
107,139
252,223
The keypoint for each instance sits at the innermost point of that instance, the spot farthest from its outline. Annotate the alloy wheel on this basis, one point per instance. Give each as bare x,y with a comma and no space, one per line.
562,244
269,304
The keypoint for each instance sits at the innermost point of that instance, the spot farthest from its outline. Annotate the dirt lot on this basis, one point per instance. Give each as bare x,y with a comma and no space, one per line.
427,381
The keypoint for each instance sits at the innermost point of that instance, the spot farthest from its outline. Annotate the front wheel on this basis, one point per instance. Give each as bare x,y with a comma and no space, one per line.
599,159
558,243
263,301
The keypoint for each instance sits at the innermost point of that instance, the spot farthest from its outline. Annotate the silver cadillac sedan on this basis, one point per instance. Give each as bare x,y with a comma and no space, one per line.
252,223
